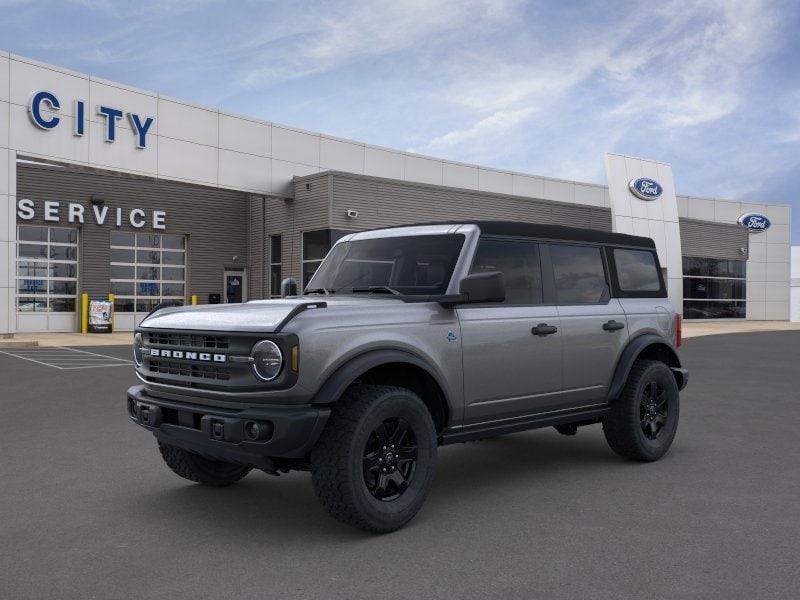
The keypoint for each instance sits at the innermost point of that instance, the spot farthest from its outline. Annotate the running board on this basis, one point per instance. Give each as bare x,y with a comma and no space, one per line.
482,430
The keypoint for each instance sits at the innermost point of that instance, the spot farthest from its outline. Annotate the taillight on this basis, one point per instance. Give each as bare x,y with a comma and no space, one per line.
678,331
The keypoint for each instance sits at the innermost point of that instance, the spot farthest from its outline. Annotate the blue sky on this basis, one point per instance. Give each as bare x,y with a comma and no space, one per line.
712,87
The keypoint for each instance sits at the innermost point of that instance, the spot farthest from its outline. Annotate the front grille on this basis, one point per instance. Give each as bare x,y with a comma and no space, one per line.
187,369
185,340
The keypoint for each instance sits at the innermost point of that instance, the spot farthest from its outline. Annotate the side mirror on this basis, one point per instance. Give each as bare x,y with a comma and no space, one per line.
478,288
288,287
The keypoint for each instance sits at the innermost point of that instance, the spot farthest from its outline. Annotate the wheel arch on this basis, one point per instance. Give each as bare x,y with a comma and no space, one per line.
390,367
647,346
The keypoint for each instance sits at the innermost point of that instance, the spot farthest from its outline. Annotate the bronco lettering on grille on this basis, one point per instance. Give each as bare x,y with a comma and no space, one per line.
203,356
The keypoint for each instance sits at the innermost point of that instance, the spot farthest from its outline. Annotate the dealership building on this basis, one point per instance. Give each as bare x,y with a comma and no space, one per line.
107,189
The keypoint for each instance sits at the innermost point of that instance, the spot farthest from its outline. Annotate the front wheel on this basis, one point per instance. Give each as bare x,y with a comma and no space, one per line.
375,460
643,420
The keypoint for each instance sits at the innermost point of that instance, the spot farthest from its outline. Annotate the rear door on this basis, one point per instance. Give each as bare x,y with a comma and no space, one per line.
511,351
594,326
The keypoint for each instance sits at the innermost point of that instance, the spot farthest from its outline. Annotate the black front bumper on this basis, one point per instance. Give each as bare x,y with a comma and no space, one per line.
222,433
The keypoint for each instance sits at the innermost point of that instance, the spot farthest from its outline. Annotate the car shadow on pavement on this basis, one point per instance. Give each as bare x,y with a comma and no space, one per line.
286,506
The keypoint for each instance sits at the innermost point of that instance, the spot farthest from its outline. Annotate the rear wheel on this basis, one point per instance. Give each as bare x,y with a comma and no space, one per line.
199,469
643,420
375,461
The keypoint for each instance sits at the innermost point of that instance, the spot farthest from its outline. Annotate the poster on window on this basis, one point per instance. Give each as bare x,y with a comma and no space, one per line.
101,313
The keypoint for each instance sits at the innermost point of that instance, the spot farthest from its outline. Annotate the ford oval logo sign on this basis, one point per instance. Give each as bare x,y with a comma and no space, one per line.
646,189
754,222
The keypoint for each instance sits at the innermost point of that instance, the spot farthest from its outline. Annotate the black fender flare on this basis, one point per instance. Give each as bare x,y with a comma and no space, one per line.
632,351
348,372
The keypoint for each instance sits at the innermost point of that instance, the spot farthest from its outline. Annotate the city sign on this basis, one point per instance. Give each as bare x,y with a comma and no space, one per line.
44,106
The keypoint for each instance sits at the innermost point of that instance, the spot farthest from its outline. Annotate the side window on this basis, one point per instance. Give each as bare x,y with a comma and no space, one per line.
636,270
519,264
579,274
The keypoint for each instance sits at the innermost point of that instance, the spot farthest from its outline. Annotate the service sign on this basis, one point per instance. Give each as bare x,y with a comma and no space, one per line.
645,189
101,313
754,222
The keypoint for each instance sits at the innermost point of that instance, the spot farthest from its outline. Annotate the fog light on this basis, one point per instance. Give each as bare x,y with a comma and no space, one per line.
131,408
258,430
252,430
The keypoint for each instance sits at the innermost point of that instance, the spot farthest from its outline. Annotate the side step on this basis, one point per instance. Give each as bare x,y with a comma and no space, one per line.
482,430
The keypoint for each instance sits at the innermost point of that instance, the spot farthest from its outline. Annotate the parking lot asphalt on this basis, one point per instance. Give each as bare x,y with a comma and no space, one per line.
88,510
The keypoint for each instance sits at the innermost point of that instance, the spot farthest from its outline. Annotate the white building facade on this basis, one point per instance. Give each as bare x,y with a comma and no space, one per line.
101,131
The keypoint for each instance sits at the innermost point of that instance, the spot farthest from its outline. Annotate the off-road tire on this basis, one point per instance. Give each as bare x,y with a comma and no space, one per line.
337,460
623,427
199,469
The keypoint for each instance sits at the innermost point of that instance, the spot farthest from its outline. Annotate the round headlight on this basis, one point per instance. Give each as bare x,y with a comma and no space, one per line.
267,360
138,344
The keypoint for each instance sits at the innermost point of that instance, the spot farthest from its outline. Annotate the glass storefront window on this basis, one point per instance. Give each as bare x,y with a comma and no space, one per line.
147,269
47,268
714,288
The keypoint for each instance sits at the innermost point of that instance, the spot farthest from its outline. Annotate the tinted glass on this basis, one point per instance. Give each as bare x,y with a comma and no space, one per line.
519,264
64,252
173,258
316,244
62,304
147,273
708,309
62,235
275,280
32,234
714,267
417,264
62,288
173,242
120,272
32,269
123,304
63,270
151,257
579,274
172,289
275,244
121,238
148,240
172,273
32,286
123,256
32,251
122,288
719,289
637,270
31,304
148,289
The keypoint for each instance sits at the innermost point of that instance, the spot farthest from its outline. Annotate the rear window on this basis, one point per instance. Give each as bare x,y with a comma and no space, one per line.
637,270
579,274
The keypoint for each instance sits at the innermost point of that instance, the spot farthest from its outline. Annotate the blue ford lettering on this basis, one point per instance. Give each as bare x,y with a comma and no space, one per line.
44,104
646,189
755,222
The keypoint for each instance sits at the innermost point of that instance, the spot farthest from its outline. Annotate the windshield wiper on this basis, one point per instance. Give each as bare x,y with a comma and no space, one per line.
320,290
376,289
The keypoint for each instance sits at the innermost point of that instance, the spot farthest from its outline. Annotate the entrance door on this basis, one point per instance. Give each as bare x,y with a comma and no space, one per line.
235,287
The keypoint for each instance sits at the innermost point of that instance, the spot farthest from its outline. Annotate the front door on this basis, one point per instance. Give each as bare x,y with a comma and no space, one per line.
511,351
235,287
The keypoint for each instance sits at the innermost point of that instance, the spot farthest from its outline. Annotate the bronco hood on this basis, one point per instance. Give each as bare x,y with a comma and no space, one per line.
258,316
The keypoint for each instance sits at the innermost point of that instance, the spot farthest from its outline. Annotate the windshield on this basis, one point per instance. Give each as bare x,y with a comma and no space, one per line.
409,265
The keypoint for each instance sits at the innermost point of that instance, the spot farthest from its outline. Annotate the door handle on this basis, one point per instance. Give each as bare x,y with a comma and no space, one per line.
613,325
544,329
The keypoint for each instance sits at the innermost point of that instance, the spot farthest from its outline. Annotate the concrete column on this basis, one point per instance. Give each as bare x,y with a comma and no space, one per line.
656,219
8,202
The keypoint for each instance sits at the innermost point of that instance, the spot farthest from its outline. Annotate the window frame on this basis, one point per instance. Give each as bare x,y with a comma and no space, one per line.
273,263
47,296
616,290
334,235
136,297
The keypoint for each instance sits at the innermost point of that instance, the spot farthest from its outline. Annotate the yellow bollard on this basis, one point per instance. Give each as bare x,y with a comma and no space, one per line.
111,298
84,312
194,299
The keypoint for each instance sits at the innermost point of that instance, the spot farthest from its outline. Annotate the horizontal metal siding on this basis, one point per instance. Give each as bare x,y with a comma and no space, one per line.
713,240
382,202
255,248
215,220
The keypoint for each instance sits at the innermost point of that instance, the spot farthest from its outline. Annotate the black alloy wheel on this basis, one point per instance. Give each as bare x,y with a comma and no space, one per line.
390,459
653,410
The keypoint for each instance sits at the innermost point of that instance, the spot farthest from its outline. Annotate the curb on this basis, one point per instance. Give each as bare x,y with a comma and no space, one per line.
19,344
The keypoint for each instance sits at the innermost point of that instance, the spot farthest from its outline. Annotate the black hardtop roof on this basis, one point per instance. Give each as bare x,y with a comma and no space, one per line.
550,232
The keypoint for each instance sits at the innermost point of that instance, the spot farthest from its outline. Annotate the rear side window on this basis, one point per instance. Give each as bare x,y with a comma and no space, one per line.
519,264
580,277
636,270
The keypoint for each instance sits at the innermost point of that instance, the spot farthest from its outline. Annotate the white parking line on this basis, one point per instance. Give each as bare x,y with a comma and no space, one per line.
66,359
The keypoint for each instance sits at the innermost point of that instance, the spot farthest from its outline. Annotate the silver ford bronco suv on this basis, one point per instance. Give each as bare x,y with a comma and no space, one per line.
408,338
